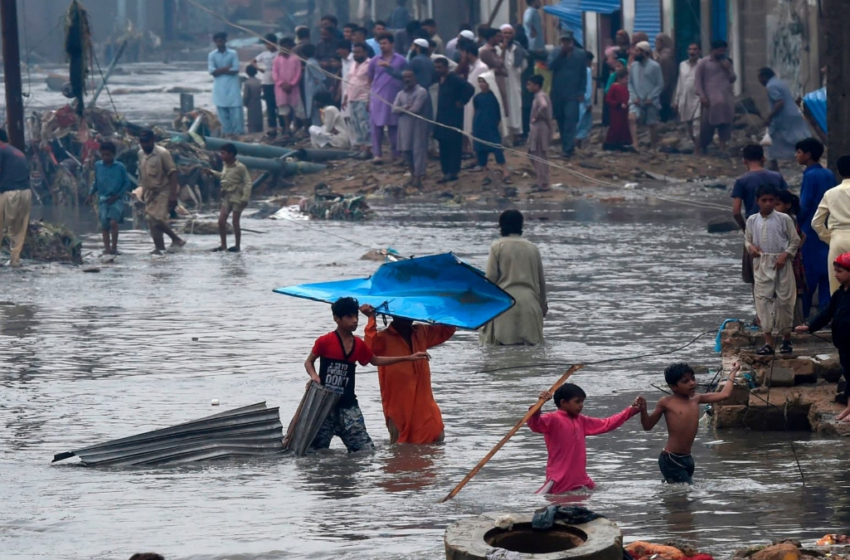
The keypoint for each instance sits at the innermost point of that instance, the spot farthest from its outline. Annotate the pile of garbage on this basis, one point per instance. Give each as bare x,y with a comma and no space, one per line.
670,550
49,242
336,207
64,147
788,549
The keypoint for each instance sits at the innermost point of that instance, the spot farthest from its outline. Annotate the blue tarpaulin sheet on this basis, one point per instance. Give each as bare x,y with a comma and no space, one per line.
815,102
436,289
570,19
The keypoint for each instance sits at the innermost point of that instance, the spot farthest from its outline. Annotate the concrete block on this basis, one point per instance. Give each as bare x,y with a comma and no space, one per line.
780,377
740,395
730,416
829,369
803,368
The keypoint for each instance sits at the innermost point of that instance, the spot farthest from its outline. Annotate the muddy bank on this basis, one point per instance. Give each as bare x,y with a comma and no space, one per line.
783,392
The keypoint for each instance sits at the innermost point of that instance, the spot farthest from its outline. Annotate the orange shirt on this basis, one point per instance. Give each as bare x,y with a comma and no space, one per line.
406,387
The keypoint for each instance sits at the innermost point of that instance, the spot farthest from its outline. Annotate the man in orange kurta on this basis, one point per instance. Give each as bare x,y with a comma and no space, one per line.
410,410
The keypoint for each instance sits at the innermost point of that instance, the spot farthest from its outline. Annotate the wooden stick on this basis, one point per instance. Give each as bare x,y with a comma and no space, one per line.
531,412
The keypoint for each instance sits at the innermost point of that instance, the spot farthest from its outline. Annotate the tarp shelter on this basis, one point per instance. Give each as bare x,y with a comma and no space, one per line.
436,289
815,106
570,12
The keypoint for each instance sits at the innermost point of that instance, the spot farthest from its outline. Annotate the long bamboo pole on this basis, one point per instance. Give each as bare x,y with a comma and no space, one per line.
531,412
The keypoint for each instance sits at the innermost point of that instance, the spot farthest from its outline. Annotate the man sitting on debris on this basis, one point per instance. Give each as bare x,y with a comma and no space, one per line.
15,196
235,195
111,183
333,132
158,179
338,353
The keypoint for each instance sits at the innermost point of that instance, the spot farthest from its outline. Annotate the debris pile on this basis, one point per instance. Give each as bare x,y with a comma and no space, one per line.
64,149
332,206
790,550
798,391
49,242
670,550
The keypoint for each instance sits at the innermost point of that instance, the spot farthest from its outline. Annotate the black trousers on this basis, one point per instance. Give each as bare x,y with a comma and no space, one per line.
844,358
451,147
271,105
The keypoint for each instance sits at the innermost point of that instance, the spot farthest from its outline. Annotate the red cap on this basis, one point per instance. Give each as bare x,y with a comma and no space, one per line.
843,261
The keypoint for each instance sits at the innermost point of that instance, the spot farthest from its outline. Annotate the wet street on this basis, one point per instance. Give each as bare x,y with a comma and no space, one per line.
89,357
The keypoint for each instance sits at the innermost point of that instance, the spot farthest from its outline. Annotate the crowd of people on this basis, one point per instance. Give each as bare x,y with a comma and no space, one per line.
348,89
797,247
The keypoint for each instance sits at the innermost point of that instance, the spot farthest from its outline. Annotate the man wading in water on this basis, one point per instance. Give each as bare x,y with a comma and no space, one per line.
411,413
158,179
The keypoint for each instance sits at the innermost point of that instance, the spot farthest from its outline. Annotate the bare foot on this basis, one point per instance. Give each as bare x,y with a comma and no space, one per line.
844,416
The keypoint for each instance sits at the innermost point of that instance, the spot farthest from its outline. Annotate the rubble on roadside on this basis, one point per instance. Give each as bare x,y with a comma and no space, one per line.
49,242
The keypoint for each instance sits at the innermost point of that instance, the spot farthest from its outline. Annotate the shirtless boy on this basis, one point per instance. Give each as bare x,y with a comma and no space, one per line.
681,412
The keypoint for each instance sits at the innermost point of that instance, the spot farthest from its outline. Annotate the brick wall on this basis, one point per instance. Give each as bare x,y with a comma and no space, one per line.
754,49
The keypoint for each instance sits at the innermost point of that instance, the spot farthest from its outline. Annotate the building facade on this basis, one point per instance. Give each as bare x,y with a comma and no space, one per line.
786,35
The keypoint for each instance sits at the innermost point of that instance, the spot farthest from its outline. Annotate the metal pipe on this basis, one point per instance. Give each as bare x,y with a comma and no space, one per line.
285,168
108,73
259,180
244,148
311,154
12,74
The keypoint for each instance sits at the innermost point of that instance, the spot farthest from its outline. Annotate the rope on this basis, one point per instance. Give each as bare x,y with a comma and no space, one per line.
606,361
435,123
323,232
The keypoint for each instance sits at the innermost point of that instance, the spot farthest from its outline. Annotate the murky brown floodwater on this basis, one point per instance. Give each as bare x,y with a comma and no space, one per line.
89,357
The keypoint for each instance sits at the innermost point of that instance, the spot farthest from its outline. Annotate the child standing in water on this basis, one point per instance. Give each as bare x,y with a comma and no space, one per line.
111,184
338,353
565,431
681,412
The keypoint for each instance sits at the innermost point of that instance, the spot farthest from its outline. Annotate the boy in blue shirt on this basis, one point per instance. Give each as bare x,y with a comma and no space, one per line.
816,181
111,183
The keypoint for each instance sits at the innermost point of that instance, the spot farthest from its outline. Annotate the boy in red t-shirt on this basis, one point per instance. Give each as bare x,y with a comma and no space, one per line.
338,353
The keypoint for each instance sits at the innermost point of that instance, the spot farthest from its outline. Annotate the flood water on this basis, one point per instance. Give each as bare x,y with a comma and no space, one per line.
90,357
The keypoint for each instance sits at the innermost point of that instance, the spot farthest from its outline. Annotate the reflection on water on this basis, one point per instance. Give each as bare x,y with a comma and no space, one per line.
85,358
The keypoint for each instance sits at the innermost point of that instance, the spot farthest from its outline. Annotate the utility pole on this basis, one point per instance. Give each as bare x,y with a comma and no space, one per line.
12,73
838,79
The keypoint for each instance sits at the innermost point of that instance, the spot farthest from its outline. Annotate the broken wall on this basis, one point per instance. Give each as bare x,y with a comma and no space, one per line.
786,35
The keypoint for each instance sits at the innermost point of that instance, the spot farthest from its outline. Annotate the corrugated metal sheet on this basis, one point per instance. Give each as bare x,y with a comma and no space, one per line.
648,18
601,6
315,406
246,431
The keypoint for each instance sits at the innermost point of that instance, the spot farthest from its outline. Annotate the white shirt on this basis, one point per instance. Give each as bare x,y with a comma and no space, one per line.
264,61
835,205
